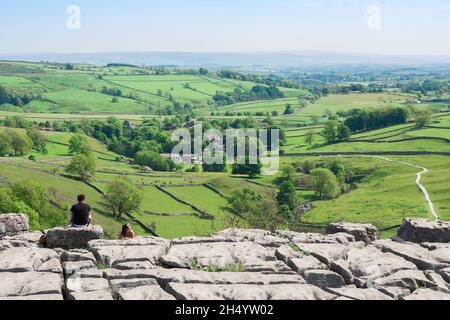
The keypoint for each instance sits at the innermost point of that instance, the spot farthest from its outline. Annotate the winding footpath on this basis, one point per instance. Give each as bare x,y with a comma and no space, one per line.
421,186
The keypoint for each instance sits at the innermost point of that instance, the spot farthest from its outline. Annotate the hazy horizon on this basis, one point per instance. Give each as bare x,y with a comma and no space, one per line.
382,27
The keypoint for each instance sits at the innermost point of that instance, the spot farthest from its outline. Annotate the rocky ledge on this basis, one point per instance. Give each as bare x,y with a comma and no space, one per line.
350,263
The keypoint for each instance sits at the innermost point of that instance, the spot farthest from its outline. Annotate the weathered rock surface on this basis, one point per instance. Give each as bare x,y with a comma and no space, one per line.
297,237
152,292
77,255
363,265
360,294
120,253
362,232
25,259
324,278
73,237
29,284
252,256
91,295
12,224
165,276
183,291
409,279
233,264
427,294
421,230
423,258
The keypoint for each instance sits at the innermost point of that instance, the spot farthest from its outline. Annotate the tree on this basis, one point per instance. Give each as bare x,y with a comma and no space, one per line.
288,110
343,132
309,139
287,196
123,196
203,71
423,118
325,183
83,166
214,167
79,144
38,140
20,143
288,173
338,169
330,131
248,208
153,160
5,144
252,170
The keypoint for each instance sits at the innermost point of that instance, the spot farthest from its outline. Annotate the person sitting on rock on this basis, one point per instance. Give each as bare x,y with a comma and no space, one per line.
127,232
81,213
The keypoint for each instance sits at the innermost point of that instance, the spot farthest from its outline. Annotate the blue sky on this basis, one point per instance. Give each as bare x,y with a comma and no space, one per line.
406,27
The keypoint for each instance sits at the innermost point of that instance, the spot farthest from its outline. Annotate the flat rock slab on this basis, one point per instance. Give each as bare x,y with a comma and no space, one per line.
78,255
32,237
360,294
40,297
327,253
423,258
139,241
73,237
152,292
8,244
164,276
421,230
324,278
25,259
134,265
362,232
132,283
362,265
119,255
11,224
409,279
30,283
261,237
218,254
71,267
247,292
427,294
297,237
75,284
90,296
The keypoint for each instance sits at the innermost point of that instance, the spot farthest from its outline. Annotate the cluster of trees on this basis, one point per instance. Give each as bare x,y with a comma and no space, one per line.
15,99
112,92
327,178
423,118
370,119
16,122
32,199
333,132
271,80
424,87
229,113
16,143
258,92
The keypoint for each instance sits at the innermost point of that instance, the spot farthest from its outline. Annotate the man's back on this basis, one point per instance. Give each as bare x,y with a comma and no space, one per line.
80,214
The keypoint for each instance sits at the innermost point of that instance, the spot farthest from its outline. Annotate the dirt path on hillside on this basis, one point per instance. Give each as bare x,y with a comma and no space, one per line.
420,185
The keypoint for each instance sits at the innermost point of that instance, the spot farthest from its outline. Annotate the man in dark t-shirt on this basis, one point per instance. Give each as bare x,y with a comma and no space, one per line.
81,213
